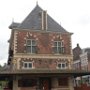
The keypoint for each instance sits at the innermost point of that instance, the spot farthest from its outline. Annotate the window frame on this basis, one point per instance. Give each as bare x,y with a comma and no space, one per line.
59,47
27,63
61,64
31,46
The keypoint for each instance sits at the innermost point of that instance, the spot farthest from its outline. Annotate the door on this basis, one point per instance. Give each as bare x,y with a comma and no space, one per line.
45,84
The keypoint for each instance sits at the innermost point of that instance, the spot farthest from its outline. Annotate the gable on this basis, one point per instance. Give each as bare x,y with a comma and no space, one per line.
34,22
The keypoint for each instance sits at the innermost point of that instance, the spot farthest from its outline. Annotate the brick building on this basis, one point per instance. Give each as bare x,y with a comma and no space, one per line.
81,58
40,45
85,59
81,61
76,57
40,54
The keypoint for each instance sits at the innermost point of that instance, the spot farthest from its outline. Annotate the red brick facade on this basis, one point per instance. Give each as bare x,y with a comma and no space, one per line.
44,41
40,44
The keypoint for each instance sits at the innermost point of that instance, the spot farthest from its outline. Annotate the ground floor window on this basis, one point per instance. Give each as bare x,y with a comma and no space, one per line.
63,81
27,82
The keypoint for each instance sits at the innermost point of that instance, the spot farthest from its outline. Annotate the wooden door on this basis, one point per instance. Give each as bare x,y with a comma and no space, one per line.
46,84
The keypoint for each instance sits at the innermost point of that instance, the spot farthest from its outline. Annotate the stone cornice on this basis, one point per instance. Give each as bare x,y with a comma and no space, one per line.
38,30
49,56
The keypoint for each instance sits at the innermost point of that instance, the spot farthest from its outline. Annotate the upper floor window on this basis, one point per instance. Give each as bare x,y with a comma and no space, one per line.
31,46
58,47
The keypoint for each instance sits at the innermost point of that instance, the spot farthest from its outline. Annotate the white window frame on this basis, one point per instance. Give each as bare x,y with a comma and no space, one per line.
27,62
62,63
57,47
31,45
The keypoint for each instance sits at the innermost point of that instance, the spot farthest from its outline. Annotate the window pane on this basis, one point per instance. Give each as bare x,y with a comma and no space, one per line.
25,65
28,49
34,49
59,49
33,43
59,65
63,65
59,44
28,42
55,43
62,50
55,49
30,65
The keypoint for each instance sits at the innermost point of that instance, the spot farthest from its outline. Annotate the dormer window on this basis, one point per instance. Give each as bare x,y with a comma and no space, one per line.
31,46
58,47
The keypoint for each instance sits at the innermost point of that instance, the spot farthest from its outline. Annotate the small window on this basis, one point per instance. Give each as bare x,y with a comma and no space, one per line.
27,65
62,65
31,46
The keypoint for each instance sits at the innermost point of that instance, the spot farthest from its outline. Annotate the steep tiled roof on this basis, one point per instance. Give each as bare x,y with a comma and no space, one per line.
33,22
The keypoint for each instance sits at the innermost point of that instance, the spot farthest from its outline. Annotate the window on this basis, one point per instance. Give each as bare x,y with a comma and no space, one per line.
62,65
27,82
58,47
27,65
31,46
63,81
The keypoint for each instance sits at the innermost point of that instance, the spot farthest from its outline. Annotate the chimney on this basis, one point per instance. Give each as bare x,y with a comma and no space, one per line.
77,45
44,20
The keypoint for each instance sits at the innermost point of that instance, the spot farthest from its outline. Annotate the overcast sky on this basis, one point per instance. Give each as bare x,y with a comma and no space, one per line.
73,15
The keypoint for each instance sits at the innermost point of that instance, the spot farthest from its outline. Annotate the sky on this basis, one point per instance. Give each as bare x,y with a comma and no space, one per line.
73,15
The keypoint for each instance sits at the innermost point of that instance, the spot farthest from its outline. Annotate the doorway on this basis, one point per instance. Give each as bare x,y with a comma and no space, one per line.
45,83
